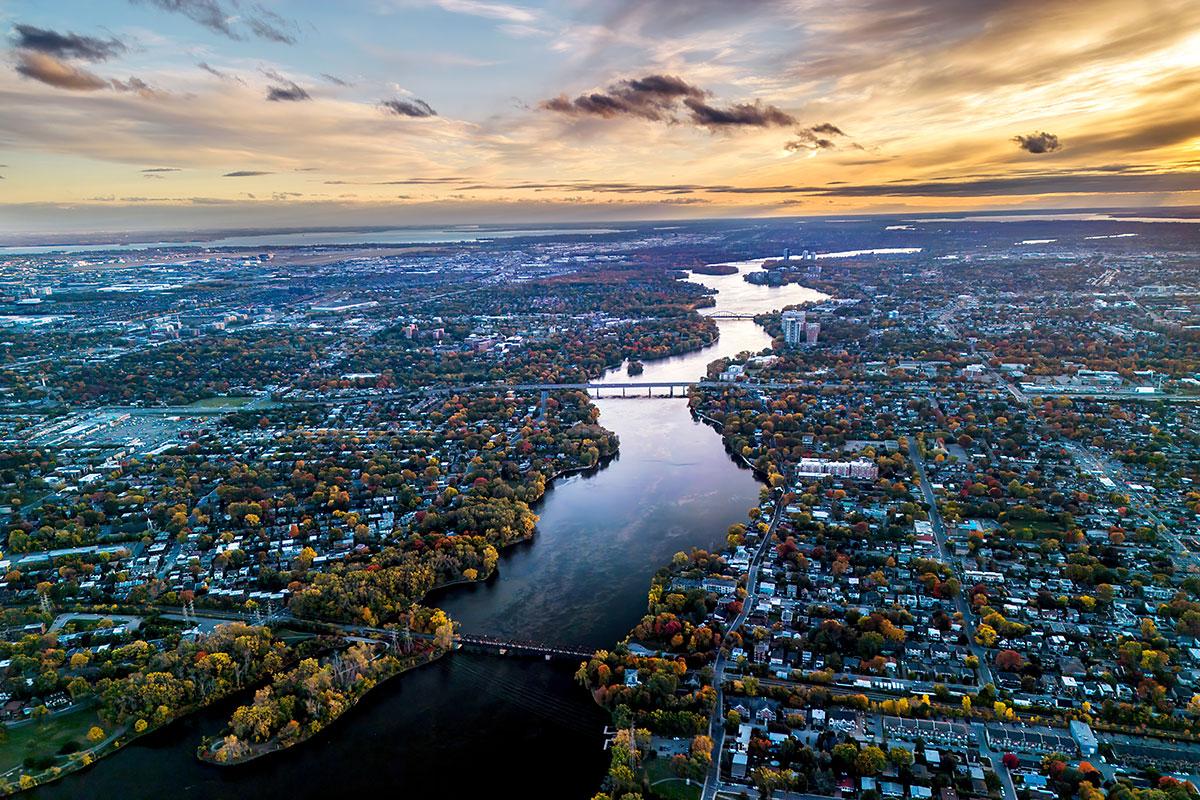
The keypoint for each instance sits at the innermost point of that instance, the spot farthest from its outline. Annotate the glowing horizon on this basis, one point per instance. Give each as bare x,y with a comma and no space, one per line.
157,114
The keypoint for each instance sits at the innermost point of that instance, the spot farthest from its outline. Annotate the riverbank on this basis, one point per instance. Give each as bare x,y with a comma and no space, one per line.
580,580
211,753
616,664
719,427
83,733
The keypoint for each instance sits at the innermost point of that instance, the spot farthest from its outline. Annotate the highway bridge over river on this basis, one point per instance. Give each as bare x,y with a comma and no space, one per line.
728,315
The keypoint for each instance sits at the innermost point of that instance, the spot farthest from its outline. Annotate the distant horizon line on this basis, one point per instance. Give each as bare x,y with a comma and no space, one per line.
175,236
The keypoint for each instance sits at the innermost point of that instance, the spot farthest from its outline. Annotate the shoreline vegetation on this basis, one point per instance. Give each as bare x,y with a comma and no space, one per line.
327,689
714,269
195,675
239,752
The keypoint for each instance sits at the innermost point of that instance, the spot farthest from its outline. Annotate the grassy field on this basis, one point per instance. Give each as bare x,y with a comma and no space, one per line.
43,740
671,787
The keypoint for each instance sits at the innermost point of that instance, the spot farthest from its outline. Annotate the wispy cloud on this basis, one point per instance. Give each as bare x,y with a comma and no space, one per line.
500,11
218,73
66,45
212,14
137,86
399,182
246,173
55,72
266,24
409,108
815,137
284,89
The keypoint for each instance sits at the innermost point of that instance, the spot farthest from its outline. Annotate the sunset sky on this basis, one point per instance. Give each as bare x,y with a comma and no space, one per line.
144,114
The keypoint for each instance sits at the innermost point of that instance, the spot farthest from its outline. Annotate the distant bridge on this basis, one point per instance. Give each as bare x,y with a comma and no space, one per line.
598,388
613,386
728,315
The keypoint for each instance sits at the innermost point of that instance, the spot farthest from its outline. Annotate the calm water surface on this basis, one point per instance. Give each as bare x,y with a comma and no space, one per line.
474,725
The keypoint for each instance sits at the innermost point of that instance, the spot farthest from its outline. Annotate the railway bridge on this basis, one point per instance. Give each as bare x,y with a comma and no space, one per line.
518,647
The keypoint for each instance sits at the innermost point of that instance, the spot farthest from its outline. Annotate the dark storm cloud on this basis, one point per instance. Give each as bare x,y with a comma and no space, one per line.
653,97
245,173
1038,143
662,86
659,97
66,45
212,14
752,115
409,108
54,72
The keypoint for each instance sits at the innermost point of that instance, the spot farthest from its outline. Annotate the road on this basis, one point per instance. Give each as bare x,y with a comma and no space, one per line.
716,721
1006,782
943,545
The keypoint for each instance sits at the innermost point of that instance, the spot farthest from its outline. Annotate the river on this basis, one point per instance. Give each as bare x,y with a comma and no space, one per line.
471,724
